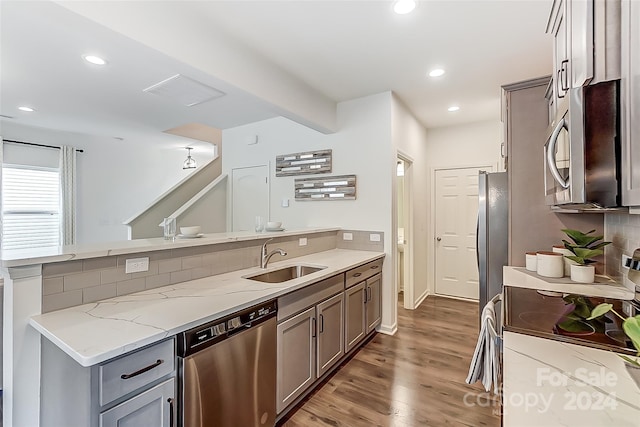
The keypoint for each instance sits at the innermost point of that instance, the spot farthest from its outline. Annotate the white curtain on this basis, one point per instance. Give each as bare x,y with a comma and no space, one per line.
67,195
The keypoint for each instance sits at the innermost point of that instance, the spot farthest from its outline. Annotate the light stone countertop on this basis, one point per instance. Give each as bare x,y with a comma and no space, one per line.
520,277
93,333
21,257
551,383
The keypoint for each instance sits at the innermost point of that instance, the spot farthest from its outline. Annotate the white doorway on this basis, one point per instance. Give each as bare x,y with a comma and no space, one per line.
404,226
250,196
456,212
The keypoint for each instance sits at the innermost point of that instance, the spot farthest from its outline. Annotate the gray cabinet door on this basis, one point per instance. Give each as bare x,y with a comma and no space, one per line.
630,102
354,315
561,50
581,41
330,345
296,357
373,305
154,407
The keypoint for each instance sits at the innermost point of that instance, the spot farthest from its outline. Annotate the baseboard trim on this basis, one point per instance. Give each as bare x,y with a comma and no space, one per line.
420,299
456,298
388,330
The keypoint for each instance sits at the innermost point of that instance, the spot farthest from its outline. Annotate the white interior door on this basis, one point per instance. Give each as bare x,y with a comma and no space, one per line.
250,196
456,206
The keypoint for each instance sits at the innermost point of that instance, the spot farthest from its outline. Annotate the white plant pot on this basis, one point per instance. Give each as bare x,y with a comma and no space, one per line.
583,273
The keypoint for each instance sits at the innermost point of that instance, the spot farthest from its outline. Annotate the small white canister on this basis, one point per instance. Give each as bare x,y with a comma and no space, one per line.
531,261
550,264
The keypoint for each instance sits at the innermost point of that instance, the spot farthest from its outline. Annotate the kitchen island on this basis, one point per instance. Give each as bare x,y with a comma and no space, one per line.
75,270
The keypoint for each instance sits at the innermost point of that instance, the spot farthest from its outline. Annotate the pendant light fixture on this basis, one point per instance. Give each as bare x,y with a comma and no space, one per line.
190,163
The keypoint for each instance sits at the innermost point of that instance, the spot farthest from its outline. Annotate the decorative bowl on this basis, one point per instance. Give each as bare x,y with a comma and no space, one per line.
190,230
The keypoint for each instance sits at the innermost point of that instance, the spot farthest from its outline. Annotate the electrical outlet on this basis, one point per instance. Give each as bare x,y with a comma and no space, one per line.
347,236
136,265
302,241
625,259
374,237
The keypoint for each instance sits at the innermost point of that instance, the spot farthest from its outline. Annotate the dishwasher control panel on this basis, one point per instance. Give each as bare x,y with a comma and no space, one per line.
203,336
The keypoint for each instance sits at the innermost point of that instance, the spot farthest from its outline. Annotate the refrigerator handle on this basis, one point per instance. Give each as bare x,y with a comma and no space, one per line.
477,241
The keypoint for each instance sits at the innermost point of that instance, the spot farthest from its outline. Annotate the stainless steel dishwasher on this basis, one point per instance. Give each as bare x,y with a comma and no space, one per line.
227,370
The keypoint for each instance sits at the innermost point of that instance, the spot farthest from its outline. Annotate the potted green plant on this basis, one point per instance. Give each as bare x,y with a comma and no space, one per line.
583,247
631,327
578,322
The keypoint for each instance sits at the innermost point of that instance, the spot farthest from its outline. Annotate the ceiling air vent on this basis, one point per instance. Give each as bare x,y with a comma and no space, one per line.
184,90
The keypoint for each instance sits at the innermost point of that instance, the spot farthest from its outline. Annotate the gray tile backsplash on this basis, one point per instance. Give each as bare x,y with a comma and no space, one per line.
361,240
71,283
623,230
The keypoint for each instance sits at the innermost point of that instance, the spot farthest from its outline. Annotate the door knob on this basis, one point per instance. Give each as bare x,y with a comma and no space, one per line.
438,238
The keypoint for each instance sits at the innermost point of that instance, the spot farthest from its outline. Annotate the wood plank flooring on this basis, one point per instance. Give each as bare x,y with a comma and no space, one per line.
415,378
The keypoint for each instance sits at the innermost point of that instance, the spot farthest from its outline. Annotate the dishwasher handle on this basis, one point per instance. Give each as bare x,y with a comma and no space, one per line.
239,329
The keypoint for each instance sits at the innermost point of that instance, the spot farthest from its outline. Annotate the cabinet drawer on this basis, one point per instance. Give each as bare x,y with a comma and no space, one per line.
154,407
363,272
129,373
297,301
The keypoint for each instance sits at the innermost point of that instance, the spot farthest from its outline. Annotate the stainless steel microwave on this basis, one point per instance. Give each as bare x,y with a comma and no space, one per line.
582,151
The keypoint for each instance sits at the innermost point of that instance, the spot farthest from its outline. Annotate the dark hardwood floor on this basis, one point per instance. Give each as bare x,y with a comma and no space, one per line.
415,378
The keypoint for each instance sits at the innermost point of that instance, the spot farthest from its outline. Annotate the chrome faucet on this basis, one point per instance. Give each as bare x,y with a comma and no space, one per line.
265,257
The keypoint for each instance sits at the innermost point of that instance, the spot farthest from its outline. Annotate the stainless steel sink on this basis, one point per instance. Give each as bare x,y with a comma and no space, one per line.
286,273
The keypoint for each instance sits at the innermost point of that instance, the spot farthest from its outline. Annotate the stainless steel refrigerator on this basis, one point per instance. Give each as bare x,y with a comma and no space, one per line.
493,233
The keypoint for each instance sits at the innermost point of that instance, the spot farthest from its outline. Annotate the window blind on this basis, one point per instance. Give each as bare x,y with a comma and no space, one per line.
30,207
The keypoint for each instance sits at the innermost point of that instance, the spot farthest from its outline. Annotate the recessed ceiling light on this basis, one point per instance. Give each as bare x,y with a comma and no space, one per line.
96,60
453,108
402,7
27,109
436,72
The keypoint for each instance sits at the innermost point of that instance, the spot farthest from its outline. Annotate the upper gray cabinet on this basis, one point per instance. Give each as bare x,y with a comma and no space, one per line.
586,35
559,28
630,102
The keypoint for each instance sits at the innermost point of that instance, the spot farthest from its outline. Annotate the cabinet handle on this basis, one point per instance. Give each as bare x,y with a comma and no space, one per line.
565,71
170,401
375,266
369,293
357,274
559,84
313,327
321,323
143,370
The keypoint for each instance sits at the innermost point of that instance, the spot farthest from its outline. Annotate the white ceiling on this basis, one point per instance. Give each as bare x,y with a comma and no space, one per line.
349,49
343,49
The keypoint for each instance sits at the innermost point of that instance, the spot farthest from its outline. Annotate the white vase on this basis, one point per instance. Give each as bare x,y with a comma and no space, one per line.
583,273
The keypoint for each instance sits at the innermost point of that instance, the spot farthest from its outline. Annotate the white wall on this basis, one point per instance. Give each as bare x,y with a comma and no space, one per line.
468,145
116,179
362,146
410,139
